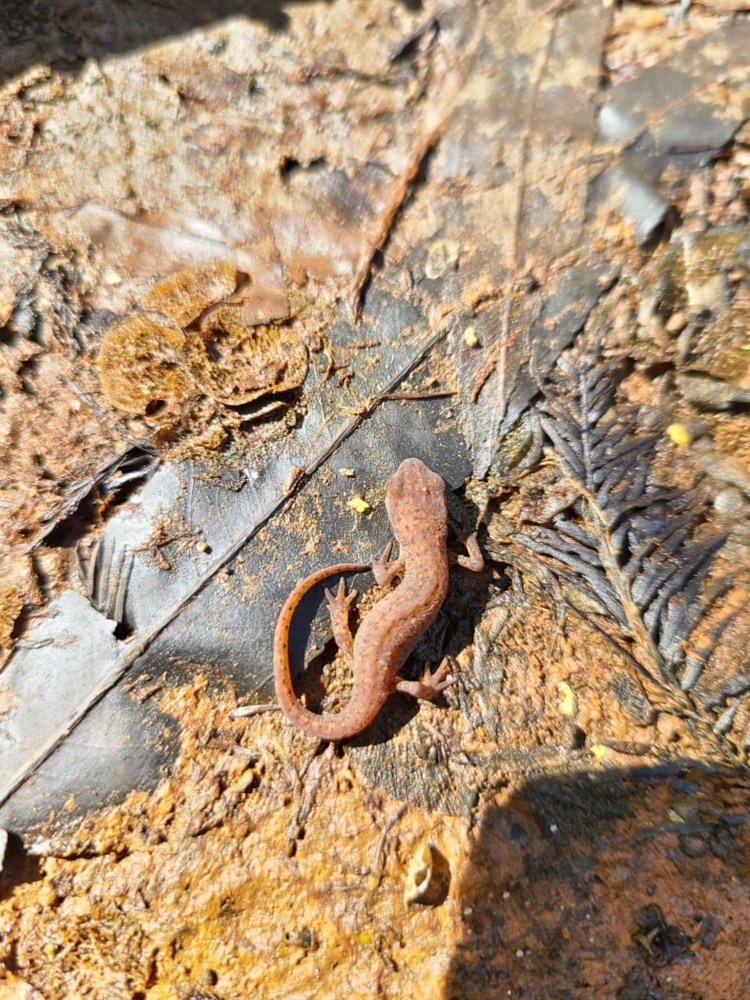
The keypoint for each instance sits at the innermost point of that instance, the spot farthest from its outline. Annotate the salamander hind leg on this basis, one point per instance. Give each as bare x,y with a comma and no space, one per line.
431,685
338,608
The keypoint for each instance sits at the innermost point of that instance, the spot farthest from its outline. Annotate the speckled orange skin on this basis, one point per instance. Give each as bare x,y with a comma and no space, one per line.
416,505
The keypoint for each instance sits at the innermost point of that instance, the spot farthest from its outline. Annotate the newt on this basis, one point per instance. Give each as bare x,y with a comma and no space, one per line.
417,509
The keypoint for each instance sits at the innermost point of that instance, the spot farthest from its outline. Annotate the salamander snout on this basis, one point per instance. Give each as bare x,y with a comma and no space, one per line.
415,497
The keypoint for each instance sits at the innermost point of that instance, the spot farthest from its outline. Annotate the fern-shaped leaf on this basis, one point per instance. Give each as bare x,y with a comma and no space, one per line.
581,560
694,566
613,470
569,449
732,688
628,540
688,607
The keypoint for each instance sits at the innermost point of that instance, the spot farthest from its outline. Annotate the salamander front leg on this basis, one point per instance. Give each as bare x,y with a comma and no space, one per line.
338,608
474,561
384,569
431,685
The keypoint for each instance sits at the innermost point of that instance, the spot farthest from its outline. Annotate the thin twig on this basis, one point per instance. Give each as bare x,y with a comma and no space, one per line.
378,867
247,711
452,88
436,394
388,216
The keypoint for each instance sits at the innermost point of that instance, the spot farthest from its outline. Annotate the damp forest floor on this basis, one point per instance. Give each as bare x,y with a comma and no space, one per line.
253,255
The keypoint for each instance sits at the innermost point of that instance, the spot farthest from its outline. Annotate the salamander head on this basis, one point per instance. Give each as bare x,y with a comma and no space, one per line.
415,501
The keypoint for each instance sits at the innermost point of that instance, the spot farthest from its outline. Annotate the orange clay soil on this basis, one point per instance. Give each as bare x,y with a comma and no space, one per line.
260,868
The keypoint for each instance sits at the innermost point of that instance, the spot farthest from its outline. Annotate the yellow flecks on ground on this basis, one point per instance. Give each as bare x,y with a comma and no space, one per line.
680,434
470,337
568,704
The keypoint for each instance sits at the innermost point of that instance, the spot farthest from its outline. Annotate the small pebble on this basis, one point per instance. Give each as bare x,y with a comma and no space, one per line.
729,502
676,322
111,277
442,257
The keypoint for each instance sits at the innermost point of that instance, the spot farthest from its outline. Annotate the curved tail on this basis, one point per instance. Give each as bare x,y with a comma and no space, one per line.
349,720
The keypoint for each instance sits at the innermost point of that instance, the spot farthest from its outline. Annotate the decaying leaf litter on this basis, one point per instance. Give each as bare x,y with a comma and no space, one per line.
490,209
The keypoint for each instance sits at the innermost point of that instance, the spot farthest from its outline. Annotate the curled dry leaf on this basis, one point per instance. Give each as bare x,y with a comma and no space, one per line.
236,366
194,340
139,371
